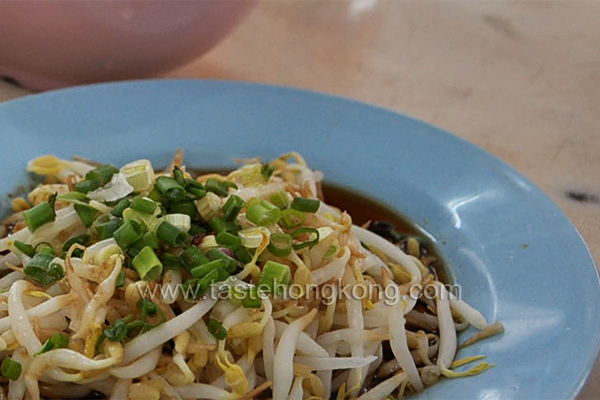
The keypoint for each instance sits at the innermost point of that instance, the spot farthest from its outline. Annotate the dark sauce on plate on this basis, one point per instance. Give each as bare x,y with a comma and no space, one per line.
363,209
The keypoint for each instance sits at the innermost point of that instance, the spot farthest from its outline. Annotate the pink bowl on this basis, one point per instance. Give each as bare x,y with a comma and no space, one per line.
49,44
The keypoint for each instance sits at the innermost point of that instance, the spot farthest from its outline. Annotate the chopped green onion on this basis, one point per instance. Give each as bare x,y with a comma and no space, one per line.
216,254
228,240
106,227
10,369
170,261
263,213
39,215
218,224
143,205
116,332
101,175
251,298
170,188
280,199
81,239
149,239
243,255
291,218
44,247
200,286
86,186
216,329
58,341
196,230
209,206
195,188
74,198
305,205
24,248
185,207
280,245
232,207
121,279
193,257
42,270
128,233
312,232
217,187
139,174
267,171
147,265
86,213
171,235
204,269
273,275
120,207
230,184
178,176
156,195
146,221
147,307
181,221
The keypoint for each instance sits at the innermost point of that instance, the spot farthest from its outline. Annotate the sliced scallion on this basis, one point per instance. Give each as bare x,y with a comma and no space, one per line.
263,213
171,235
229,240
169,187
216,254
217,329
313,237
147,264
291,218
42,270
217,187
267,171
81,239
170,261
280,245
305,205
57,341
193,257
120,279
24,248
274,275
251,298
106,227
102,175
280,199
11,369
204,269
39,215
86,213
116,332
120,207
185,207
218,224
128,233
232,207
144,205
195,188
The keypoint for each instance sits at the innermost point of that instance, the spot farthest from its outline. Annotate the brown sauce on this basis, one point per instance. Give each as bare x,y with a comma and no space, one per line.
363,209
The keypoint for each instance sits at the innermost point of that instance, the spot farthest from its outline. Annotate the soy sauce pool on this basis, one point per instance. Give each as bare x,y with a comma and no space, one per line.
364,210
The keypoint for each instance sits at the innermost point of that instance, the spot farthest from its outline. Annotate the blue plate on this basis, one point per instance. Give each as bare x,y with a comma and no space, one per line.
518,258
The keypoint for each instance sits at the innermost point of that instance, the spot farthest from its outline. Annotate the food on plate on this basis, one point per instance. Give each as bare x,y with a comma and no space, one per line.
131,283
